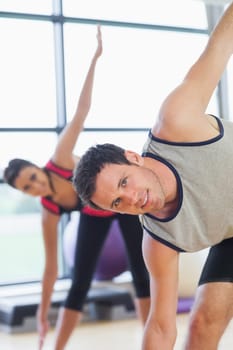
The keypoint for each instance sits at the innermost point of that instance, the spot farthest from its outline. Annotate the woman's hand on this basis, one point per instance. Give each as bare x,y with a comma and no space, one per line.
99,49
42,327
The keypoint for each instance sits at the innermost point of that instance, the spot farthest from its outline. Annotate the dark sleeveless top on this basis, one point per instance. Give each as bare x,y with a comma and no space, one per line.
57,209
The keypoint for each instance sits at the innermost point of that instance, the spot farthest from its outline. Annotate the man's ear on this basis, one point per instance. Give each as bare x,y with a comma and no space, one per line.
134,157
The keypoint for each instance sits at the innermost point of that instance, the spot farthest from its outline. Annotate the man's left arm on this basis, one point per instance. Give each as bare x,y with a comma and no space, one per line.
162,264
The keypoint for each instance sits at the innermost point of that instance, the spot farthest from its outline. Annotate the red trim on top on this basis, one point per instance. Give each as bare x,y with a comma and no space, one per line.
66,173
52,207
94,212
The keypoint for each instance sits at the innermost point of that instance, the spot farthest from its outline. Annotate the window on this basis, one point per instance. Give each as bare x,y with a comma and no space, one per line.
27,84
21,247
129,88
39,7
33,146
166,12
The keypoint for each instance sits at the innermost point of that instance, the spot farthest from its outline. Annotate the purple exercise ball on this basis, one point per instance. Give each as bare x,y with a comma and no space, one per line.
113,258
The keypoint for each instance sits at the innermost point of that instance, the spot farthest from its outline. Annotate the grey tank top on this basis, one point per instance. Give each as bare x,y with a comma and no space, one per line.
204,173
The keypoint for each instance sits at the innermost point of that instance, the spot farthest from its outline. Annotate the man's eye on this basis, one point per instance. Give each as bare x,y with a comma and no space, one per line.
117,202
124,182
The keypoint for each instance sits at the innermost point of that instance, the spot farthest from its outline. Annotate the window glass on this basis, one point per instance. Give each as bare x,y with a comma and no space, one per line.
21,243
27,84
35,147
136,71
173,13
29,6
21,248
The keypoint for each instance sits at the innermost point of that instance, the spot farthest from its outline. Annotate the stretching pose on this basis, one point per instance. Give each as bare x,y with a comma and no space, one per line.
181,186
53,184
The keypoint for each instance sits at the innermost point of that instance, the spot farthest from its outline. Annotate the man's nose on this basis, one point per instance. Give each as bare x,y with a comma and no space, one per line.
131,197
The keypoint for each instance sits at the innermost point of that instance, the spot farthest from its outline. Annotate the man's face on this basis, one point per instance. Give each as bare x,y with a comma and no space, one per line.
132,189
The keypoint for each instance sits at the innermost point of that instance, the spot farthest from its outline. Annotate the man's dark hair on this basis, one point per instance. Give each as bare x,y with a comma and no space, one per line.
90,164
13,169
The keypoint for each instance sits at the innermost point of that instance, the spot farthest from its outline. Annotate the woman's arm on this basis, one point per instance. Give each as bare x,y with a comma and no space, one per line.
63,154
49,224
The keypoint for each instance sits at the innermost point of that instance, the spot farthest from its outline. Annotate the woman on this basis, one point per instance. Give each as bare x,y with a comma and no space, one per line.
53,184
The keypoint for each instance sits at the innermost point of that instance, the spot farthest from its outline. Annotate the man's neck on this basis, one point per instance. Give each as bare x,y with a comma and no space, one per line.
168,182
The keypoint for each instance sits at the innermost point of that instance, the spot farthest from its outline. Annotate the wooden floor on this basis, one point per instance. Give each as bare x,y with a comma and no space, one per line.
110,335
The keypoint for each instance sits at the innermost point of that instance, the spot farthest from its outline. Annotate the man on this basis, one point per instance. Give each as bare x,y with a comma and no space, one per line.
182,188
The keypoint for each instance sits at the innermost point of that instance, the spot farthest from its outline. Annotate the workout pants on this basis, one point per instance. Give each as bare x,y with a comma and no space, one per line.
92,232
219,263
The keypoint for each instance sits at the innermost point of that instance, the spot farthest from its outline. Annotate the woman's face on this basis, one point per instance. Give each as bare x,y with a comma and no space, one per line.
33,181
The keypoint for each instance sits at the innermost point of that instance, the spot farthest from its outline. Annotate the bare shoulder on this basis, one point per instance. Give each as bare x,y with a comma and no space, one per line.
186,129
67,162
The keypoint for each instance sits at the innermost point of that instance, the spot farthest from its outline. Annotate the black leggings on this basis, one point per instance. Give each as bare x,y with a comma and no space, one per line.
92,232
219,263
